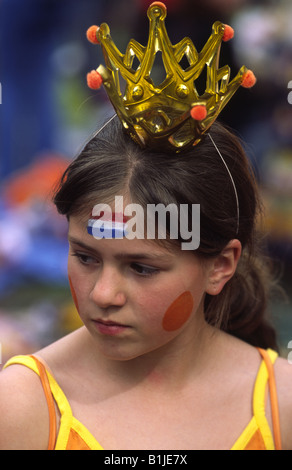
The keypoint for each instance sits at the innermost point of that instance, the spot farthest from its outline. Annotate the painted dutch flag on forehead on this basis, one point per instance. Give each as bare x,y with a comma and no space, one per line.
108,225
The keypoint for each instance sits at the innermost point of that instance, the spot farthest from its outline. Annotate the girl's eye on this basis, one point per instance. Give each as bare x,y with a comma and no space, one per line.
143,270
84,259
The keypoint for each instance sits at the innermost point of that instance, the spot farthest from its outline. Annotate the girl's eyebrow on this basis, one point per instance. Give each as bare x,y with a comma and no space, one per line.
75,241
136,256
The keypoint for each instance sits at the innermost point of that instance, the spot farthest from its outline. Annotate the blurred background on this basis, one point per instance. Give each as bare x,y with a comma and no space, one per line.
47,113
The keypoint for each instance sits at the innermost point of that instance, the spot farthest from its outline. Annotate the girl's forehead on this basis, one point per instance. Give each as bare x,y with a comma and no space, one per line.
79,234
170,224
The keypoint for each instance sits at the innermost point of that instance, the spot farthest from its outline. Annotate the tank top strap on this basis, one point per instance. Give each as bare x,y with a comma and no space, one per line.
266,376
52,392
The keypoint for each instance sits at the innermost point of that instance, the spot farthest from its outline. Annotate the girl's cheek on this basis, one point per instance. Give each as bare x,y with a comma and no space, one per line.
178,312
74,296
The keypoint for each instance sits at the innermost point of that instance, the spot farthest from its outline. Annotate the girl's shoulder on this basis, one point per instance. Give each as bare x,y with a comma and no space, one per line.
248,359
23,406
283,377
23,410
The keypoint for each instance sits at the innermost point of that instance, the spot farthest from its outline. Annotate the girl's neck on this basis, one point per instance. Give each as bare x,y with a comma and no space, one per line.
170,367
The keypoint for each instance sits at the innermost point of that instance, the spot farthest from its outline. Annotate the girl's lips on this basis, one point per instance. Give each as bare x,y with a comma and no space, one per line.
109,328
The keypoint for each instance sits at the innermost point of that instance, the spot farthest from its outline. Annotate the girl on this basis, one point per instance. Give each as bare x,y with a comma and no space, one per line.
176,351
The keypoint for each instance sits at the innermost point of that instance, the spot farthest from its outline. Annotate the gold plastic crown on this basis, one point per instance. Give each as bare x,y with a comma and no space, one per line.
172,114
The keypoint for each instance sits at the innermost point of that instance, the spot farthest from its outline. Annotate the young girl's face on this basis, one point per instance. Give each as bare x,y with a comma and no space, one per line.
134,296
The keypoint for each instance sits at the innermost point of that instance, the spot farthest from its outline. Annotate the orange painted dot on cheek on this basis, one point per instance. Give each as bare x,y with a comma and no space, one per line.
74,296
179,312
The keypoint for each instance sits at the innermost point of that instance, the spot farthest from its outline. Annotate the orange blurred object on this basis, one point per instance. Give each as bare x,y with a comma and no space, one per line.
36,182
91,34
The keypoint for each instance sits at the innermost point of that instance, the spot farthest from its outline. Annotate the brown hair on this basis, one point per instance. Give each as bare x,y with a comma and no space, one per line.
111,164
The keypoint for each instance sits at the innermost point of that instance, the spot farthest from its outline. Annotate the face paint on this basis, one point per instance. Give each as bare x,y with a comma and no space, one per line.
178,312
74,296
108,225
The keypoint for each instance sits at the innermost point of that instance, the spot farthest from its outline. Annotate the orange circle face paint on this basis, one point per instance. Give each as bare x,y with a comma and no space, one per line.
178,313
74,296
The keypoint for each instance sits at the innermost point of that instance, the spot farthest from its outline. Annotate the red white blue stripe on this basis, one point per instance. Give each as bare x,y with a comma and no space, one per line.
109,229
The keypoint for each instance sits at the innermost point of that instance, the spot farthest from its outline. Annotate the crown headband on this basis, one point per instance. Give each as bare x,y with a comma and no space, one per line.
171,115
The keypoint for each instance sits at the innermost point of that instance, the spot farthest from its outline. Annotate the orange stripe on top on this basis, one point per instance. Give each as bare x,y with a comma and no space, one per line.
50,402
274,399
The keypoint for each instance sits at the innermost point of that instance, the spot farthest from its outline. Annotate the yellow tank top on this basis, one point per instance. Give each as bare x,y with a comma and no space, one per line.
73,435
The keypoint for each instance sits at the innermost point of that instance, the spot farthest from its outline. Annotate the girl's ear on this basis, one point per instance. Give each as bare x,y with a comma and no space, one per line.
223,267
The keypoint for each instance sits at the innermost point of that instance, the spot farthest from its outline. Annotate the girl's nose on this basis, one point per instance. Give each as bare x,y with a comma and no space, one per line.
109,289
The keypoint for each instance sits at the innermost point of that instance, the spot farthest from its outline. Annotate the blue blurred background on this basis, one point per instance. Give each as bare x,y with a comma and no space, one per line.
47,113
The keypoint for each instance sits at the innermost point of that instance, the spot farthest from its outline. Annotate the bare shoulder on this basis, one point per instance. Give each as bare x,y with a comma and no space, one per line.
24,421
24,415
61,356
283,376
